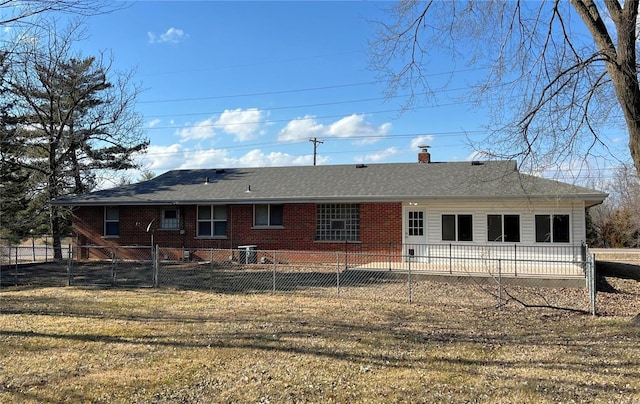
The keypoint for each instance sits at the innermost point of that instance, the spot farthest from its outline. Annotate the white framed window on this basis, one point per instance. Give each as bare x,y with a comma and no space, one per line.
552,229
268,215
212,221
503,228
111,221
171,218
416,223
338,222
457,228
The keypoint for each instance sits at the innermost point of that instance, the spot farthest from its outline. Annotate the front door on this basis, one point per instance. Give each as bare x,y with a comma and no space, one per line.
415,232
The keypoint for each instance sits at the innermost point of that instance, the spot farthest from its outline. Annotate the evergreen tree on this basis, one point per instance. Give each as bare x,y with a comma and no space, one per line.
74,123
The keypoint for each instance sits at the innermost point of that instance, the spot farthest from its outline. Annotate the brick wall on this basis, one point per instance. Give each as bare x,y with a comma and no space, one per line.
380,225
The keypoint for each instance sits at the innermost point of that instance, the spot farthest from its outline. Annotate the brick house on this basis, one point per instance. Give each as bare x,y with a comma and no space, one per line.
370,208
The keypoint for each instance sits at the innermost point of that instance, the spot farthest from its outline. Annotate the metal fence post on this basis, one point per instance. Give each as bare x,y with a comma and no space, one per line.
409,282
275,265
346,252
515,260
500,283
211,258
16,266
591,263
155,253
114,252
337,274
69,261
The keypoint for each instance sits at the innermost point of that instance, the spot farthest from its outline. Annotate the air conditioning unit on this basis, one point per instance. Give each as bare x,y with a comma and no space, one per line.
248,254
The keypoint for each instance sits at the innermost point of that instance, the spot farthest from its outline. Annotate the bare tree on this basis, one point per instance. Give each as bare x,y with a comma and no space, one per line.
18,12
557,72
616,223
77,119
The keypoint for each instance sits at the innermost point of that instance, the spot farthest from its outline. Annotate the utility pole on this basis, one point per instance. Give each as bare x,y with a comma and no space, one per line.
315,148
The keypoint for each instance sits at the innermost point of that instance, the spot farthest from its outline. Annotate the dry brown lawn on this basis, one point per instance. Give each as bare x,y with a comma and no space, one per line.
72,344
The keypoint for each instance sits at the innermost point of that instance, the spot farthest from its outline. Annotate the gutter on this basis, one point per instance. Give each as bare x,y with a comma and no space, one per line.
589,199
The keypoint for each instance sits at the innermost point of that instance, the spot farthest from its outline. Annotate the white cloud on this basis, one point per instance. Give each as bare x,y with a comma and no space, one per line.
257,158
209,158
355,126
243,124
162,158
301,129
173,35
153,122
424,140
172,157
377,156
198,131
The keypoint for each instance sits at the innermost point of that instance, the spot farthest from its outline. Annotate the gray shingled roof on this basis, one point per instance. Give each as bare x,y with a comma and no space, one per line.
339,183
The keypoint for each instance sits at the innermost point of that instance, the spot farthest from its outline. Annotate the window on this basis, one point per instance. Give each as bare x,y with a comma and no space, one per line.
552,228
504,228
111,221
457,228
267,215
338,222
212,221
171,219
416,223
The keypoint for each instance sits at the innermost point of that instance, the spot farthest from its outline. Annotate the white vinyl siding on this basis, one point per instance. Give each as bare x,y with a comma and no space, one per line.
525,209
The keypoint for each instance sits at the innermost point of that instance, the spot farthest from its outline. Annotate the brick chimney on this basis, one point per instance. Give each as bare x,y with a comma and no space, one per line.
424,157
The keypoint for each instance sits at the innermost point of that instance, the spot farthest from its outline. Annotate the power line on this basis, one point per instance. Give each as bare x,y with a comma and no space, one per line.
320,104
211,125
298,90
330,138
215,97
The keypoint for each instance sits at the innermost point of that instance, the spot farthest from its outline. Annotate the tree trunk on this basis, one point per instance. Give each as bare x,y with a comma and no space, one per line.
55,230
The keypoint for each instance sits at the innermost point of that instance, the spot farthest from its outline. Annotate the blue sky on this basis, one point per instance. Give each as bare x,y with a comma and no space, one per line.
230,84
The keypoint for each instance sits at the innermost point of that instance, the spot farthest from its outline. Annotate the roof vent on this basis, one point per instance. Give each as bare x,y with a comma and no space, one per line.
361,166
424,157
477,163
206,180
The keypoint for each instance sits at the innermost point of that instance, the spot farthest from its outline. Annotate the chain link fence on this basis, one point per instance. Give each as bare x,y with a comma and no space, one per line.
564,279
554,276
25,265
